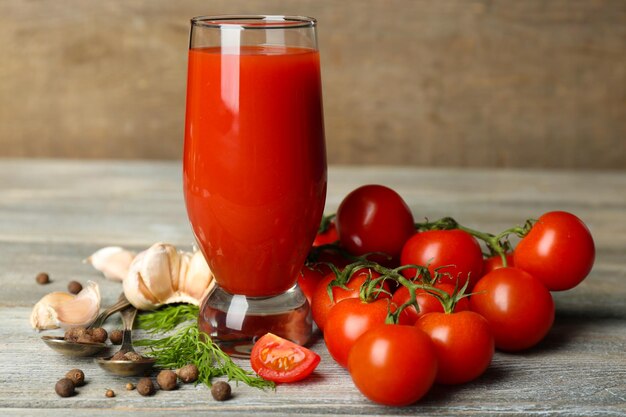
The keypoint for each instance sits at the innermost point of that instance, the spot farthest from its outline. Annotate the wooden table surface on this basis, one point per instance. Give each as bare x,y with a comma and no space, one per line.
53,214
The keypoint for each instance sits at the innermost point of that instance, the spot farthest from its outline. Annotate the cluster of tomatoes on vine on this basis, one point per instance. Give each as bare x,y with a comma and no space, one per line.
403,305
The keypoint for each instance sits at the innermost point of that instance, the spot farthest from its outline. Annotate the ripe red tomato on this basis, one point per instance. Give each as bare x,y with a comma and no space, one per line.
463,343
374,218
495,262
349,319
558,250
308,279
427,302
518,307
321,304
279,360
330,235
393,364
455,249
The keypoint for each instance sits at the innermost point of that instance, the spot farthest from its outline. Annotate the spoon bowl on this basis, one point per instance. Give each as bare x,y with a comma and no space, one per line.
76,349
127,367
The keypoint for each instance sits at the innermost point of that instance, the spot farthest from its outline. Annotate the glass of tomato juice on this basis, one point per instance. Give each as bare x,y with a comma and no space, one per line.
254,171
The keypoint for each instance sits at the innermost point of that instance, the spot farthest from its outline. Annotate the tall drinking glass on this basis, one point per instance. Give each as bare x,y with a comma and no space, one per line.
254,170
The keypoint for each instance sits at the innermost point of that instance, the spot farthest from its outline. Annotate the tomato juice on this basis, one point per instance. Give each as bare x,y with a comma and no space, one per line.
254,163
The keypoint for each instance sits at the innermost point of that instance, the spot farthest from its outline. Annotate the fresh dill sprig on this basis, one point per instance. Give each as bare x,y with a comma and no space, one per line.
167,318
189,345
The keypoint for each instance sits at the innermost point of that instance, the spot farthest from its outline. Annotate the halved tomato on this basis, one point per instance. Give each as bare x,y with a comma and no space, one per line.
279,360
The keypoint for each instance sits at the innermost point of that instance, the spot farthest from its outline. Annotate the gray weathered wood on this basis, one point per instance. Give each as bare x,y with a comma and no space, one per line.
55,213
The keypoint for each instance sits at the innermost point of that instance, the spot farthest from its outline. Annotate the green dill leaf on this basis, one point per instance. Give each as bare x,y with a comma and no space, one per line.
186,344
167,318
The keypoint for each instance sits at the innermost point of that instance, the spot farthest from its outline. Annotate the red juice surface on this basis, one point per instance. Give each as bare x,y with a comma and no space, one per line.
254,168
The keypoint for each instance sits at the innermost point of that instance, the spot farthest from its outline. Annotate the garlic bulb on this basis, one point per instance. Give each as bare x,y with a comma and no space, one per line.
112,261
162,275
59,309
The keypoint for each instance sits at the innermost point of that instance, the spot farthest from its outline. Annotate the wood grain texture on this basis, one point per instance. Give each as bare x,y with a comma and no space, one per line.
55,213
492,83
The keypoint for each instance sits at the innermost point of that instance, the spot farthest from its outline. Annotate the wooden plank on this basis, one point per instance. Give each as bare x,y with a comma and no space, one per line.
444,83
55,213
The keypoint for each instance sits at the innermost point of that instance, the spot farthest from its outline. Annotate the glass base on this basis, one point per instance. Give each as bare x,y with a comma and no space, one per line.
235,322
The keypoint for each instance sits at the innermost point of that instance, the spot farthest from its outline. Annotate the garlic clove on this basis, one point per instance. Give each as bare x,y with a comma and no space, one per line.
151,276
135,290
198,277
159,269
112,261
44,315
82,310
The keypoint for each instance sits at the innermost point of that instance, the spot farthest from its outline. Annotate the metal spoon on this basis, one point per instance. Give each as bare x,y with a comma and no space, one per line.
127,367
77,349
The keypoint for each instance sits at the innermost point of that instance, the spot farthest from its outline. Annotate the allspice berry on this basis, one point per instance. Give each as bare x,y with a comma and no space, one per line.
99,335
145,387
74,287
130,386
64,387
110,393
42,278
167,380
75,333
77,376
133,356
188,373
119,356
221,391
116,337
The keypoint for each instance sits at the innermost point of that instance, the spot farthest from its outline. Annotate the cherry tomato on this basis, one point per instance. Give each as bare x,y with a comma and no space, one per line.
330,235
427,302
463,343
321,304
349,319
309,278
393,364
495,262
374,218
517,306
455,250
279,360
558,250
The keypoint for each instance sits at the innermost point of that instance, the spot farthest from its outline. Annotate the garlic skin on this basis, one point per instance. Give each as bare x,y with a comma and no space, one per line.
162,275
112,261
59,309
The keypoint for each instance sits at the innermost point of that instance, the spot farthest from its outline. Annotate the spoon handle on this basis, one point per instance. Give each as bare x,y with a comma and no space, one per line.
122,302
128,318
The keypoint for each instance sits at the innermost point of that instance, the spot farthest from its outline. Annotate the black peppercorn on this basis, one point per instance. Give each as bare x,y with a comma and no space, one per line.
77,376
65,387
42,278
116,337
220,391
74,287
188,373
167,380
145,386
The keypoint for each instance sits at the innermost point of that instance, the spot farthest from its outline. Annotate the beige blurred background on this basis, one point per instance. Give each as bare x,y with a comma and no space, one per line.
529,83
